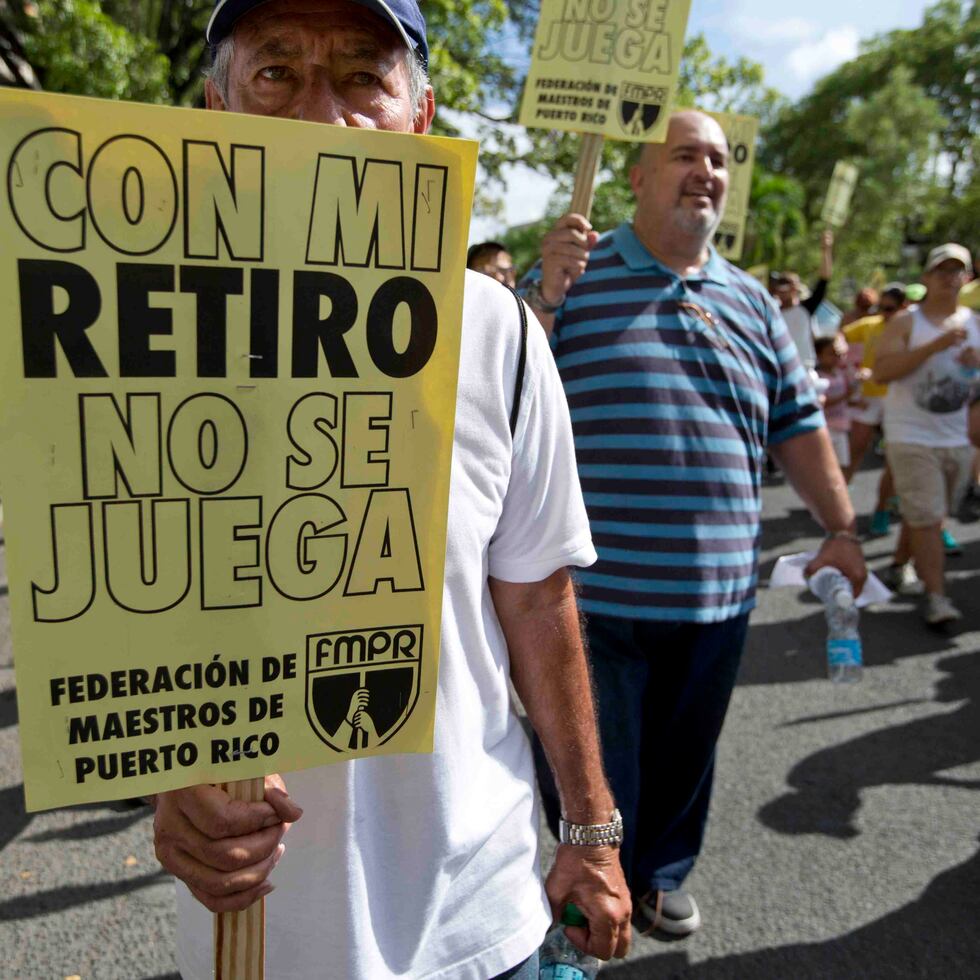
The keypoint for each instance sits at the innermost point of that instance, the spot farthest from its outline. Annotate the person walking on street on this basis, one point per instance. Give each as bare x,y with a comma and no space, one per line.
929,356
679,373
868,413
427,865
842,385
798,313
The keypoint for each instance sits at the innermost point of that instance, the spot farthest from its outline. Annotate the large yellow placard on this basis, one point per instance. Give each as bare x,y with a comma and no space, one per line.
741,133
606,66
229,373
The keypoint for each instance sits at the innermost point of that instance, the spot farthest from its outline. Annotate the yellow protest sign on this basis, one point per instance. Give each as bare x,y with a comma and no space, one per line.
741,133
605,66
838,201
229,372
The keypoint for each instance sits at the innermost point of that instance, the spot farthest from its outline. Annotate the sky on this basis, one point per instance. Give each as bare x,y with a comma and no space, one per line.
796,44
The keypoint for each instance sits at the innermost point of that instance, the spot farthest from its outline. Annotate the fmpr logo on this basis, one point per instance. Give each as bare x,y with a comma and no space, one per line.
362,685
639,107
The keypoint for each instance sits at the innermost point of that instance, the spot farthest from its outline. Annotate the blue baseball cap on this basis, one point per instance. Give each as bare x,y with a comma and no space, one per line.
403,15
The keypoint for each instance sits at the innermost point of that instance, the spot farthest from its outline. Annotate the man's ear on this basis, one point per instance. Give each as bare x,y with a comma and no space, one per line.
636,178
426,114
212,97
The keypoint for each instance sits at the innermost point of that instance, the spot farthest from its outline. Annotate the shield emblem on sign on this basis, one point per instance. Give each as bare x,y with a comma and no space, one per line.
362,685
638,118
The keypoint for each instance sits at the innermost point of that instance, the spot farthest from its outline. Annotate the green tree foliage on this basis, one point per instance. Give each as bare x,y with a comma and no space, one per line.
75,47
775,221
176,28
905,111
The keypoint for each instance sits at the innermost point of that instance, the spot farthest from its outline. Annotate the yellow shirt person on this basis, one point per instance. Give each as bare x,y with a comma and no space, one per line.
862,337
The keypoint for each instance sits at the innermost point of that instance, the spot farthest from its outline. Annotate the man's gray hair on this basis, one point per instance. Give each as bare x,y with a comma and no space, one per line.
418,79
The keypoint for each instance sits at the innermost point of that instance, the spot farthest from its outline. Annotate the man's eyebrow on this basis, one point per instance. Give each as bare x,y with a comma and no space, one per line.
365,49
275,48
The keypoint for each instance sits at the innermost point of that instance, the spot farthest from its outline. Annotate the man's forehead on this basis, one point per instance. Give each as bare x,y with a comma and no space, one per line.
695,129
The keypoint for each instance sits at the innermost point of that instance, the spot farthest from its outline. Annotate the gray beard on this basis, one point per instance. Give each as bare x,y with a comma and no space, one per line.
698,224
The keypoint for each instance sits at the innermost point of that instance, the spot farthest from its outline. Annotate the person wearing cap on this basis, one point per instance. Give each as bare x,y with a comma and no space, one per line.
492,259
929,356
868,412
424,865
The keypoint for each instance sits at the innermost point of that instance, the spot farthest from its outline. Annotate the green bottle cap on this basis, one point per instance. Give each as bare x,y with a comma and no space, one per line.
572,916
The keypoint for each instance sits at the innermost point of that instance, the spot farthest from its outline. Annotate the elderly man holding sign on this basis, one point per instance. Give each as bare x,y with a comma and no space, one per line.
423,865
679,374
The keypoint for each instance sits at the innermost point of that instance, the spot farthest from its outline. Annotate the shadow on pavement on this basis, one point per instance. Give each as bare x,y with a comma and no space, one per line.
91,828
827,786
932,936
59,899
786,652
8,708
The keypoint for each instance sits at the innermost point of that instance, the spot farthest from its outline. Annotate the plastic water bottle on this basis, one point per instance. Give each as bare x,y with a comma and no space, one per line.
843,639
560,958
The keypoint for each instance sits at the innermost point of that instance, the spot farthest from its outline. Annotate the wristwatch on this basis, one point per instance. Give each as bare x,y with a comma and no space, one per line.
592,834
534,298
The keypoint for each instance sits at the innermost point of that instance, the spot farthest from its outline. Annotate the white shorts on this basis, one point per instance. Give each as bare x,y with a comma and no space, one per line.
871,413
841,441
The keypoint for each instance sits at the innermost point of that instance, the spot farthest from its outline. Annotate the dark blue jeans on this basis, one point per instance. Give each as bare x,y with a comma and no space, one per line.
662,691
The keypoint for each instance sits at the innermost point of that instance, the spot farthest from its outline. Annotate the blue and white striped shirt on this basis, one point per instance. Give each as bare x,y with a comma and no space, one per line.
672,416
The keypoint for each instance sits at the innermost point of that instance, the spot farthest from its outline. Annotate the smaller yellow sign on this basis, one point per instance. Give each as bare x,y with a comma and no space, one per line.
741,133
605,66
838,201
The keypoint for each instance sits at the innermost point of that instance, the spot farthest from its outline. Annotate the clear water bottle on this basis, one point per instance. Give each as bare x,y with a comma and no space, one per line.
560,958
843,640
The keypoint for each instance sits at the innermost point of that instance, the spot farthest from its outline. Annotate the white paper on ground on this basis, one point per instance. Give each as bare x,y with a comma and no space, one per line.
789,572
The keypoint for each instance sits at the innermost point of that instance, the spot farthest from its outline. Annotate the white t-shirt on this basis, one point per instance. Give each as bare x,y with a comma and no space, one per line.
929,406
417,866
800,325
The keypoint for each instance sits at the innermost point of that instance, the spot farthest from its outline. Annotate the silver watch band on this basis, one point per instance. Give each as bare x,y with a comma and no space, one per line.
534,298
592,834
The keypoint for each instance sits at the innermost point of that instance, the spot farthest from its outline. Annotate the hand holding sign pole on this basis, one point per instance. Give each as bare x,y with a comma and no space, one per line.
606,69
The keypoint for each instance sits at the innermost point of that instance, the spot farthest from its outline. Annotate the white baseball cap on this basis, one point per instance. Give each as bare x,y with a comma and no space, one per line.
949,251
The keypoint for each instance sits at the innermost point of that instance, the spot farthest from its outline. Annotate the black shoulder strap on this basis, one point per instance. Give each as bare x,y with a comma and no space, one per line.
521,362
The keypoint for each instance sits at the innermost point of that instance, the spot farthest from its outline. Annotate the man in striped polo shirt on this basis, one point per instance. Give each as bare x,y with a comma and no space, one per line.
679,374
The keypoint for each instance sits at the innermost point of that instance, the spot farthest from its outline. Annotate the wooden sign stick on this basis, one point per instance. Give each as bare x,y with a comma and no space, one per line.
589,156
239,937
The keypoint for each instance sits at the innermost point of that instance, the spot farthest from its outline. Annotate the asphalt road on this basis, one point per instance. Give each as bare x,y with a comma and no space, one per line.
843,841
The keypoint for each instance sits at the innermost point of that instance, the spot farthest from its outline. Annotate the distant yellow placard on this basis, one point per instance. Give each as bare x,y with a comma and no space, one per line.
741,133
229,370
606,66
837,204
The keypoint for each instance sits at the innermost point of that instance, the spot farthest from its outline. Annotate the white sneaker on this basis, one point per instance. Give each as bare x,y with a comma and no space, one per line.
940,610
903,580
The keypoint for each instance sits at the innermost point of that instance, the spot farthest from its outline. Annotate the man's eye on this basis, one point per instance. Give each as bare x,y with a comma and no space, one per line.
274,73
364,78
